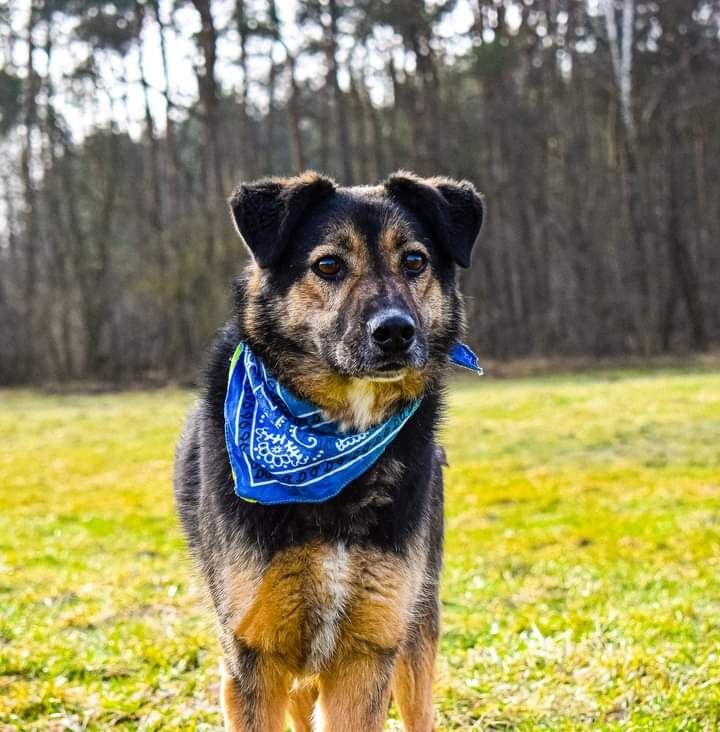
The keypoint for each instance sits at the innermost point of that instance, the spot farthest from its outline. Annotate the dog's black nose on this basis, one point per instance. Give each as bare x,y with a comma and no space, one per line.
394,332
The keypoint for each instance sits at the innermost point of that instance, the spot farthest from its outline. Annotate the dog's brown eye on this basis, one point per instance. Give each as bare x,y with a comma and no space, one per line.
328,267
414,262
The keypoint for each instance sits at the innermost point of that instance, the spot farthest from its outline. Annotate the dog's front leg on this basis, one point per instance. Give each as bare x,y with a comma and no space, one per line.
355,693
253,694
413,679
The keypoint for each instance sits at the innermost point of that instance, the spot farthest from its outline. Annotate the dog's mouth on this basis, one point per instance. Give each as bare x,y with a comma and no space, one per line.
359,361
390,370
386,374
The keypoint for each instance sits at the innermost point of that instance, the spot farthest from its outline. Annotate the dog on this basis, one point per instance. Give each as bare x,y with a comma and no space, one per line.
327,609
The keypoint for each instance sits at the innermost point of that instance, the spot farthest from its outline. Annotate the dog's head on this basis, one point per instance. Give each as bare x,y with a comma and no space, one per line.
351,296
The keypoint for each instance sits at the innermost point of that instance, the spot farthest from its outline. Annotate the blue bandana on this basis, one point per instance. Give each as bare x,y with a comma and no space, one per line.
282,450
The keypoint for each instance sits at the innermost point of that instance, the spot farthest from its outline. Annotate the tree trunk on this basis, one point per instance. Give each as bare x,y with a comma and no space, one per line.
245,148
270,119
30,289
681,260
342,128
362,138
210,101
156,212
297,152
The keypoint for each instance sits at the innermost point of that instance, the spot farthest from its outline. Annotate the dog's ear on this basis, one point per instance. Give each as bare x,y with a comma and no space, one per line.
267,211
453,210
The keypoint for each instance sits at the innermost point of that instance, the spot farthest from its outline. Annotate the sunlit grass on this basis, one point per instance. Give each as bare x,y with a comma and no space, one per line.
582,578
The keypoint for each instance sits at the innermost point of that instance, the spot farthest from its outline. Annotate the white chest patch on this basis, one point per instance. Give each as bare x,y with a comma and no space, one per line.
361,400
329,606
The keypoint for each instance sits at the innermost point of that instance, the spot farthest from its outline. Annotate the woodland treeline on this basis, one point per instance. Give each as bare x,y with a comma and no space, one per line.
592,127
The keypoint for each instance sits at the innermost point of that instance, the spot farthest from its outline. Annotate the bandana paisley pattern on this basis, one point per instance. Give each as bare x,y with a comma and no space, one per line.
282,450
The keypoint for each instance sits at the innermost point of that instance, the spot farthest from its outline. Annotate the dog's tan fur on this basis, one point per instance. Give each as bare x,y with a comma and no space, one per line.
319,614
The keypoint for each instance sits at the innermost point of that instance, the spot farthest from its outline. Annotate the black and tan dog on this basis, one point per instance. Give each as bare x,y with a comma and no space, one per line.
327,609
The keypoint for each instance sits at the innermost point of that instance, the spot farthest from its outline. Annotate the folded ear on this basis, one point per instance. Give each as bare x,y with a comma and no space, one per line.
267,211
452,210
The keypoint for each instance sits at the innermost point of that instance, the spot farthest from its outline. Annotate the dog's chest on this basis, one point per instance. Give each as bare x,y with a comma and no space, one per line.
315,603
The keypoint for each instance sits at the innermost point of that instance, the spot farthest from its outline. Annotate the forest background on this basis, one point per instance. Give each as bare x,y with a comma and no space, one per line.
591,126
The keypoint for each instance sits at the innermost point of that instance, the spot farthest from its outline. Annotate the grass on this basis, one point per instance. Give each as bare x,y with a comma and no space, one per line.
581,588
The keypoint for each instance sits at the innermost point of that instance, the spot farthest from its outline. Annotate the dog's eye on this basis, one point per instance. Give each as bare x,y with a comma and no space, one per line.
414,262
328,267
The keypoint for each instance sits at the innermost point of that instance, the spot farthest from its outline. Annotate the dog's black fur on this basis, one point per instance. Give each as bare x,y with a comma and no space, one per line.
392,515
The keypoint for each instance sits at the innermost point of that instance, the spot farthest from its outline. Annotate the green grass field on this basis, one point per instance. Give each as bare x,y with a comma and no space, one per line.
581,588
